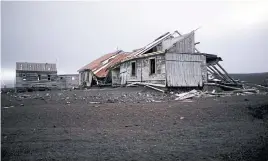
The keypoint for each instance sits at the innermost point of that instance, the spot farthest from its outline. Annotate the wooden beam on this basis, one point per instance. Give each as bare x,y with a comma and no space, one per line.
155,88
214,74
226,73
217,73
220,85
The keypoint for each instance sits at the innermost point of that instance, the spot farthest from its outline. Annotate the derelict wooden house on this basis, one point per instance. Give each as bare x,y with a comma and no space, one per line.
169,61
97,72
29,75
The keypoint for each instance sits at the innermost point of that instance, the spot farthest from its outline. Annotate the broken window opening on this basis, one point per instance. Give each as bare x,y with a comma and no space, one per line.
152,66
39,77
133,68
48,77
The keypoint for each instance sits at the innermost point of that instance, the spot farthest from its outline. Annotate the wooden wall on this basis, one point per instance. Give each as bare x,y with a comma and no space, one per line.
185,70
143,71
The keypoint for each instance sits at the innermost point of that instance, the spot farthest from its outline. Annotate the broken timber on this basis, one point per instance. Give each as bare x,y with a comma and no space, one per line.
149,85
220,85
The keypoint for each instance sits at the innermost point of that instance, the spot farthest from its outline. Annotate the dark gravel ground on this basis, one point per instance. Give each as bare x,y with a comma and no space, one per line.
132,124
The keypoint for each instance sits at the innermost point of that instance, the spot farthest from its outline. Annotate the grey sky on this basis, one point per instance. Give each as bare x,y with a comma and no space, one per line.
75,33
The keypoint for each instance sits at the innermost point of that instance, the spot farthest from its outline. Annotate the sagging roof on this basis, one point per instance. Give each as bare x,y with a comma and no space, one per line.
99,66
165,38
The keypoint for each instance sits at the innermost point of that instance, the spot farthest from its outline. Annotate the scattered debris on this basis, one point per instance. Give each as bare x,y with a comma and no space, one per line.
8,107
149,85
186,95
181,118
21,104
155,88
155,101
221,85
24,96
94,102
187,100
68,102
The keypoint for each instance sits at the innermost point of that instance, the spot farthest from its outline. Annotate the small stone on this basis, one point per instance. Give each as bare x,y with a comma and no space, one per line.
181,118
21,104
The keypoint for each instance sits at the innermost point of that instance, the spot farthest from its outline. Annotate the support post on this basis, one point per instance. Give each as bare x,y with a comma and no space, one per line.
217,73
214,74
226,73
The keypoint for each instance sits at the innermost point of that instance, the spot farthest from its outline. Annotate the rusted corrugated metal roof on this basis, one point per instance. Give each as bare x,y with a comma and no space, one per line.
104,71
99,66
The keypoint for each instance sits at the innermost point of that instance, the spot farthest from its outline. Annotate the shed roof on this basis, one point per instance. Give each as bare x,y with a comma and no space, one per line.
99,66
42,67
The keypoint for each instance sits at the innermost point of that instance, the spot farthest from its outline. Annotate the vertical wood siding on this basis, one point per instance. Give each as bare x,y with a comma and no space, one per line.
185,45
185,70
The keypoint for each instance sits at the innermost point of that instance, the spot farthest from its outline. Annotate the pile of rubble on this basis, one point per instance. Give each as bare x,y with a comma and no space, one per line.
198,93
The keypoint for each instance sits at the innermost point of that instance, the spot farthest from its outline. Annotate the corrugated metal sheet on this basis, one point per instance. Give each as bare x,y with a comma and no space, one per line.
104,70
184,70
98,61
46,67
99,66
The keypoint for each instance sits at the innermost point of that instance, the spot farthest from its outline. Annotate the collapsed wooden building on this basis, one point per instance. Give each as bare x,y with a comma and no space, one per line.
96,72
171,60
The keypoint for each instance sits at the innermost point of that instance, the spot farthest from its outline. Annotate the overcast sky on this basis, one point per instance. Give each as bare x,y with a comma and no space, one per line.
73,34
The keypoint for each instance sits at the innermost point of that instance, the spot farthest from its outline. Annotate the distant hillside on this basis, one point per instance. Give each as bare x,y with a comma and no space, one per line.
256,78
